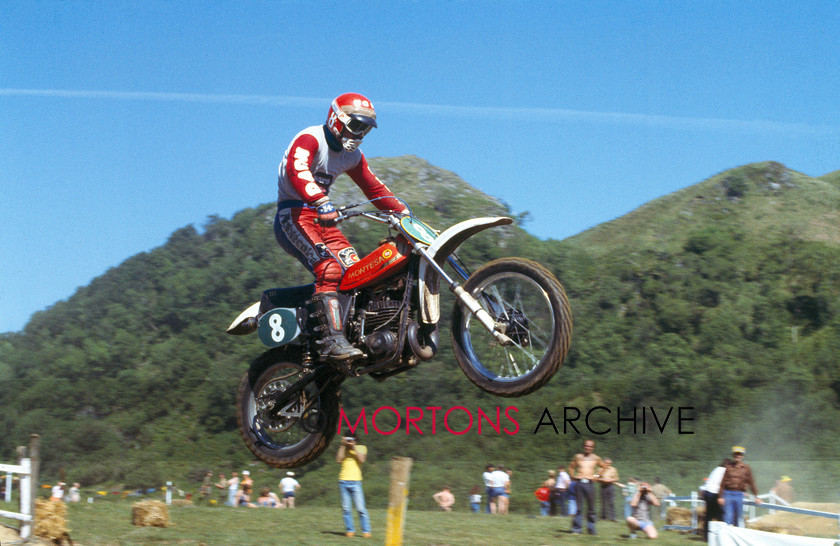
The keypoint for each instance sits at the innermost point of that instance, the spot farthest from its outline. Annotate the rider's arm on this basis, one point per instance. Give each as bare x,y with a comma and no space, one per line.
298,169
373,188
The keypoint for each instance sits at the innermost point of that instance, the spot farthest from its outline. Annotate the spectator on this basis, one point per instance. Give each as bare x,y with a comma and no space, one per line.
500,481
289,486
783,489
58,492
735,482
629,490
75,494
571,496
445,499
246,479
608,478
561,490
543,495
505,505
550,482
661,491
269,499
475,499
551,479
583,471
351,456
243,496
640,519
221,485
232,488
205,489
711,493
488,488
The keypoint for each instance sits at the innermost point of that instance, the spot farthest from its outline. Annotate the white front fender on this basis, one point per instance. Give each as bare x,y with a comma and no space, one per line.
440,249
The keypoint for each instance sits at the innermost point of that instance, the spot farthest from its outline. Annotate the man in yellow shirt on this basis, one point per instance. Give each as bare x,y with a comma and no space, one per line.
351,457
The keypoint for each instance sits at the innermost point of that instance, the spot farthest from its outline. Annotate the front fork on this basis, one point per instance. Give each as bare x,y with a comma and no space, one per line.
464,297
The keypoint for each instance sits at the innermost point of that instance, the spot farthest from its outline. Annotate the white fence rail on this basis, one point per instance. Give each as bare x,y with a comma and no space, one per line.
28,470
778,504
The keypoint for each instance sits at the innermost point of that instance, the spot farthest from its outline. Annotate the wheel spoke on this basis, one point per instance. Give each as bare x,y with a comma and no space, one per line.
520,304
282,427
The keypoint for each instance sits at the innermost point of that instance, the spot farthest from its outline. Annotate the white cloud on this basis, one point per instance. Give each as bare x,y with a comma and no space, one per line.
521,114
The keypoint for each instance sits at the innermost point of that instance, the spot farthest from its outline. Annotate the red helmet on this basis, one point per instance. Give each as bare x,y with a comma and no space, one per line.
351,117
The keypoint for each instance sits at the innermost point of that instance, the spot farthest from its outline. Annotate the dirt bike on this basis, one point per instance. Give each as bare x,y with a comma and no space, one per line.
511,329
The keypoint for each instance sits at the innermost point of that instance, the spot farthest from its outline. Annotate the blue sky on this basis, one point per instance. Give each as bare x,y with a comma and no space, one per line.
123,121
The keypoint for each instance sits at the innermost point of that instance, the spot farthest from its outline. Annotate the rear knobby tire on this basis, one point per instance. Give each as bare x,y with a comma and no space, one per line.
291,440
531,303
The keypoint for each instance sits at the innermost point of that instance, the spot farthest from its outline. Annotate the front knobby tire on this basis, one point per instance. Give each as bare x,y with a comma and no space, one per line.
531,305
300,432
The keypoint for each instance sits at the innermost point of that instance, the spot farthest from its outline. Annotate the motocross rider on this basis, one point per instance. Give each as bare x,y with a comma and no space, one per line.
312,162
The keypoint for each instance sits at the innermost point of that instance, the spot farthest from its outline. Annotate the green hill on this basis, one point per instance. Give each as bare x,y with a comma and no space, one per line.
762,201
717,304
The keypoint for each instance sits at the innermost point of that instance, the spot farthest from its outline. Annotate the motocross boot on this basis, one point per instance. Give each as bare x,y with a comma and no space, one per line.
334,346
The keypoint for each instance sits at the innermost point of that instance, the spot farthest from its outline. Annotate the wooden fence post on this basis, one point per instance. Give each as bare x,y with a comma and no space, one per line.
35,457
398,500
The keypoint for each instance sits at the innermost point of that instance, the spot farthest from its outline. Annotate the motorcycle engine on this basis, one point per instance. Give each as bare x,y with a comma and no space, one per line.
381,324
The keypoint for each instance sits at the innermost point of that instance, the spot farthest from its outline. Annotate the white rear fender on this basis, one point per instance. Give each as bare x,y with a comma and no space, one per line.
250,312
440,249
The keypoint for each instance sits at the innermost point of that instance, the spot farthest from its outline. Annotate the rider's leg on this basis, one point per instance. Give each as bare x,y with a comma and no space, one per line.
326,252
334,346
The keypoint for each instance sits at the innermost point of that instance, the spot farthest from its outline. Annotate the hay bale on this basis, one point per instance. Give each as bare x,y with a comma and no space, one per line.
800,524
774,527
50,519
150,514
676,515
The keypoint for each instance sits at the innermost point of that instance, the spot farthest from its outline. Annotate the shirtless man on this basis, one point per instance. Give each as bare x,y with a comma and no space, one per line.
583,471
445,499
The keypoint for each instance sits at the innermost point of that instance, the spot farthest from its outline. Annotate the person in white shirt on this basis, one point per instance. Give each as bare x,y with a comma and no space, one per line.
499,479
75,494
58,492
233,488
561,490
488,487
711,492
289,486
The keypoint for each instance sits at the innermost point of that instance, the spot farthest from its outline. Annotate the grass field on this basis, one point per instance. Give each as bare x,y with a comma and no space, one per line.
109,523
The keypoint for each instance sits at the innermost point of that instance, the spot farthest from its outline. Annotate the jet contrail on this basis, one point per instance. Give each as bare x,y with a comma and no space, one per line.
165,97
517,113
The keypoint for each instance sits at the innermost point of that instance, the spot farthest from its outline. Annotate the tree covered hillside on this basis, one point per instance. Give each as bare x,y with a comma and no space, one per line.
722,299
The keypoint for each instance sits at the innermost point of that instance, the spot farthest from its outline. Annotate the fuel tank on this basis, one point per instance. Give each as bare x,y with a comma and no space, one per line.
387,260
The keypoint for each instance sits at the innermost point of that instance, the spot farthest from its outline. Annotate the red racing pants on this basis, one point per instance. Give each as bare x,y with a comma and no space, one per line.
324,251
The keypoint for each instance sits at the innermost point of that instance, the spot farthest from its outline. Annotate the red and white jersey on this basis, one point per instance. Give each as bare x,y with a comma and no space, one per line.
310,167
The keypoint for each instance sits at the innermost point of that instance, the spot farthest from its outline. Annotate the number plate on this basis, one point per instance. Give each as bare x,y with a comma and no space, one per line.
278,327
418,230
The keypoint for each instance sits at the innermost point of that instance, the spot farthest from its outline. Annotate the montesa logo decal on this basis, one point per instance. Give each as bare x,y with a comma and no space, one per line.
381,261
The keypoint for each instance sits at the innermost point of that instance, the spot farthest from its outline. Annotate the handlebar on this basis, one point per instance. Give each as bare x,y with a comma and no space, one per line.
382,216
